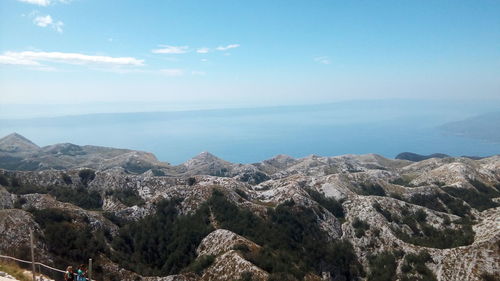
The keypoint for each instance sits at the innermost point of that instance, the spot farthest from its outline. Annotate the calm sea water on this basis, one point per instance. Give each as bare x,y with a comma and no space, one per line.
252,135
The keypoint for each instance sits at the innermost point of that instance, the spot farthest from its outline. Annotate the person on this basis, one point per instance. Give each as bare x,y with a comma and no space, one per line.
69,275
80,274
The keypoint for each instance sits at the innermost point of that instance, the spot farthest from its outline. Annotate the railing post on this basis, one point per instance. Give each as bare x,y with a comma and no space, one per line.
90,269
32,254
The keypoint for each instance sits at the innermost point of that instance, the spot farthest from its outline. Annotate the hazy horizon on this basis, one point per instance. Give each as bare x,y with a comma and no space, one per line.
245,135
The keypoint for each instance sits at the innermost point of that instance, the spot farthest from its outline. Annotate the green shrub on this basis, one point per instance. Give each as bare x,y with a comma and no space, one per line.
67,179
360,227
4,180
382,267
428,236
435,202
396,196
483,188
387,215
241,247
246,276
241,193
480,201
414,265
128,196
404,180
489,277
331,204
200,264
371,189
78,196
430,201
86,176
20,201
421,216
191,181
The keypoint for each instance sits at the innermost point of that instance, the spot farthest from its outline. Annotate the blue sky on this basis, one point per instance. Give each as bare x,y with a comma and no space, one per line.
184,53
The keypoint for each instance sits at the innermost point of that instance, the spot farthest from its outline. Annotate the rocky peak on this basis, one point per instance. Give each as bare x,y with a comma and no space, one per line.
17,143
206,163
203,158
281,161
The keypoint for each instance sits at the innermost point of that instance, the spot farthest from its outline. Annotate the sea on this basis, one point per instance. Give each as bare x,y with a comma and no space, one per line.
253,134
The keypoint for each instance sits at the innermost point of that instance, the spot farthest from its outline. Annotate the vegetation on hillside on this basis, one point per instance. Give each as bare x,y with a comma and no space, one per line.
414,267
424,234
292,242
128,196
332,205
69,242
14,270
168,245
371,189
382,267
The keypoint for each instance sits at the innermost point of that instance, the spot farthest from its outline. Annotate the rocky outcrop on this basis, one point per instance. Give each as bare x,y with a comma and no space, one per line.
231,266
15,228
221,241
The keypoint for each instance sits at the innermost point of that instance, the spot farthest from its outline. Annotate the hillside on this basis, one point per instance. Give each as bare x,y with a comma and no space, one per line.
349,217
485,127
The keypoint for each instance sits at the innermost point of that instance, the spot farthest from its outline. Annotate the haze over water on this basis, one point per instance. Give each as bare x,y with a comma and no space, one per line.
254,134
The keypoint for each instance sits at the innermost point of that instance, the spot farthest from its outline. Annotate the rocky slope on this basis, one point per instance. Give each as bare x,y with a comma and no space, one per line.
437,219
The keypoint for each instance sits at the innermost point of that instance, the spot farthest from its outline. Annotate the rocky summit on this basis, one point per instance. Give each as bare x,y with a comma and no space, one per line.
349,217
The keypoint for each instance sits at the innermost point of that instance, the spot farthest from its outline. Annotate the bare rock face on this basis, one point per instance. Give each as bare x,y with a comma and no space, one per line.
177,277
231,266
15,228
6,199
221,241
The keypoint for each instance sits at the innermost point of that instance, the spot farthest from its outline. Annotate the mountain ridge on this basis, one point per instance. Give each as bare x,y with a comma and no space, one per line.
279,219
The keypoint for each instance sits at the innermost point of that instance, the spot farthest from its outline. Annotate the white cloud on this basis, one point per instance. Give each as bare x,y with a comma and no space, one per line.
172,72
44,2
225,48
37,2
7,59
322,60
203,50
167,49
44,21
204,60
34,58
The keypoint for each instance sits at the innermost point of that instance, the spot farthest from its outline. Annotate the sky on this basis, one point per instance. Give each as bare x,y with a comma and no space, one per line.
107,56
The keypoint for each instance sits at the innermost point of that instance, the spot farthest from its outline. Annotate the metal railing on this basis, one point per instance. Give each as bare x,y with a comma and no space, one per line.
43,265
34,263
